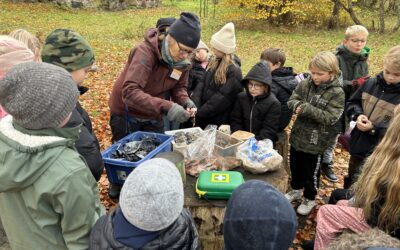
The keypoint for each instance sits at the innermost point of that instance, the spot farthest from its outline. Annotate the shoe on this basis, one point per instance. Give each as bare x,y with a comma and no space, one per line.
308,245
293,195
114,190
326,169
306,206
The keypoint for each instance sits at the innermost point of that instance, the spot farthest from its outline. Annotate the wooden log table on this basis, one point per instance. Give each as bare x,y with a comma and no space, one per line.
209,215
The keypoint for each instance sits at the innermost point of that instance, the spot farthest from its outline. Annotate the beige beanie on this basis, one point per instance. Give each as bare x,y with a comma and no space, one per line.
202,45
224,40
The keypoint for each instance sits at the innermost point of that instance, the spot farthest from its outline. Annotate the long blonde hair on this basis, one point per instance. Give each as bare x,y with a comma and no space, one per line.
220,66
380,179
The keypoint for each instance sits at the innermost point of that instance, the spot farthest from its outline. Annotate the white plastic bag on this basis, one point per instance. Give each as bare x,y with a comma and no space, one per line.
203,146
259,156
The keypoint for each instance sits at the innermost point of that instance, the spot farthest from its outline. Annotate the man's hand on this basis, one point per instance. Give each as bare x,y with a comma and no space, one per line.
363,123
178,114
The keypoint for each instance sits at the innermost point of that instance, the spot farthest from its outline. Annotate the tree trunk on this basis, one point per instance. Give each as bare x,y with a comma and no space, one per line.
397,26
334,19
352,13
381,16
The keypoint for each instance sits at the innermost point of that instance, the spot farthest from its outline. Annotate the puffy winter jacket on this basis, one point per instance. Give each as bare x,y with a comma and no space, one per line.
282,86
260,114
215,101
87,143
321,107
376,99
196,76
182,234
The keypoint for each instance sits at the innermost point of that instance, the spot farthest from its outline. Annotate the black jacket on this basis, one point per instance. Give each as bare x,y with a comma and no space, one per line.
258,115
283,84
182,234
87,144
196,76
215,101
376,99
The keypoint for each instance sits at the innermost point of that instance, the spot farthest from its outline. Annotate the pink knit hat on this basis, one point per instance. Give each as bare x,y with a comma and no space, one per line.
12,52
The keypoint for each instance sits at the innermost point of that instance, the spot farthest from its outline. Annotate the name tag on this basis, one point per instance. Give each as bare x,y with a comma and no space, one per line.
176,74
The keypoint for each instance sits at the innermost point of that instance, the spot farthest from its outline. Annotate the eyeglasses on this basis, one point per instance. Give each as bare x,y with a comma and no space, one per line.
358,40
254,86
182,51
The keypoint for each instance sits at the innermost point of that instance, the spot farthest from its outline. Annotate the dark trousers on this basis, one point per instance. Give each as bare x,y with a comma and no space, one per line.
120,127
355,167
305,170
340,194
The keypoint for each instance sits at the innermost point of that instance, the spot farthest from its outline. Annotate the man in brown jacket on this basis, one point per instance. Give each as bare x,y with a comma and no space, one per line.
156,66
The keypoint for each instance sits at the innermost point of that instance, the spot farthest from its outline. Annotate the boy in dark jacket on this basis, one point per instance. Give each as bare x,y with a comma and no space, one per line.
257,110
150,213
352,55
283,82
69,50
371,107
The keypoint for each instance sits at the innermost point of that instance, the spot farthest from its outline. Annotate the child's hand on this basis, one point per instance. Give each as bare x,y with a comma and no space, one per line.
363,123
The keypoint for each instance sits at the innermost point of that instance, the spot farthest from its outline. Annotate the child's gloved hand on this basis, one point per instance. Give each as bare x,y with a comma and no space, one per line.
178,114
360,81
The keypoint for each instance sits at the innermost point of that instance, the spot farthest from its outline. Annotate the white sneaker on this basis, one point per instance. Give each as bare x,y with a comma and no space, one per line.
306,206
293,195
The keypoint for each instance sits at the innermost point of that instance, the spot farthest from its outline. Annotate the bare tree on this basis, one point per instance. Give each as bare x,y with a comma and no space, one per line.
381,16
397,26
334,20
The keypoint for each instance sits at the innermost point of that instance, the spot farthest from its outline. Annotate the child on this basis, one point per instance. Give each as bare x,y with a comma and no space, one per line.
352,55
150,213
69,50
371,107
31,41
258,217
283,82
199,64
376,199
257,110
48,198
216,95
318,102
12,52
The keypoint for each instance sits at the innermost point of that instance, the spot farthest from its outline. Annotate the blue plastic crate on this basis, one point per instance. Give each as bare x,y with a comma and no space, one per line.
118,170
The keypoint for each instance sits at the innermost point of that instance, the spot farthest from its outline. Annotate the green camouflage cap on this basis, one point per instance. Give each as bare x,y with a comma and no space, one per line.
67,49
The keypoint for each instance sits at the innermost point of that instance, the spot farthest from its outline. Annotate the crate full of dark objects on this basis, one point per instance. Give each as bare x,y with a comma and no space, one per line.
126,154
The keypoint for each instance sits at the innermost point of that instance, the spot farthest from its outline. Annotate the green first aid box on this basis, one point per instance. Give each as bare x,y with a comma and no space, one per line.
218,185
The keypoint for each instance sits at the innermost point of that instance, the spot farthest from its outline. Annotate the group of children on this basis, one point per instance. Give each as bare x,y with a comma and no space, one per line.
48,140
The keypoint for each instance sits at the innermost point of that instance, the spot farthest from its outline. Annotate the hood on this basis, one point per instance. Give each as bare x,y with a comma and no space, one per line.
285,78
258,210
260,72
29,152
128,234
151,38
345,53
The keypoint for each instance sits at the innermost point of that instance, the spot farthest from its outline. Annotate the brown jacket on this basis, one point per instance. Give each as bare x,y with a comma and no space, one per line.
143,83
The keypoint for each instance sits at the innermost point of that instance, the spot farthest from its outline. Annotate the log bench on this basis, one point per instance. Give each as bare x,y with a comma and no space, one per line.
209,214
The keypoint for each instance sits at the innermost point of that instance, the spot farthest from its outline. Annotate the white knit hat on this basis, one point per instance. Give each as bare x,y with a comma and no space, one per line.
225,40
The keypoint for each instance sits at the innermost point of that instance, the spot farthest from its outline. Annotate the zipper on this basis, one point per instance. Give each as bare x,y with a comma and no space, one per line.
373,108
251,115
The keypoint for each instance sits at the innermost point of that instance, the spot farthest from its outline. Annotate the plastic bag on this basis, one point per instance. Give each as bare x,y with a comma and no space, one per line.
203,146
195,167
259,156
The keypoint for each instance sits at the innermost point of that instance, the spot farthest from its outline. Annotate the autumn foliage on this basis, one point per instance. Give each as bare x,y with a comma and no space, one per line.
288,12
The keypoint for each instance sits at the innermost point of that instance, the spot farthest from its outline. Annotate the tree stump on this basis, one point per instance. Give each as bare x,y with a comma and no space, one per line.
209,214
282,146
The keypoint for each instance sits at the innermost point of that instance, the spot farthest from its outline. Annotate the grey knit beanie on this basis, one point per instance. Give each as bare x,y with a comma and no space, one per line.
152,195
38,95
